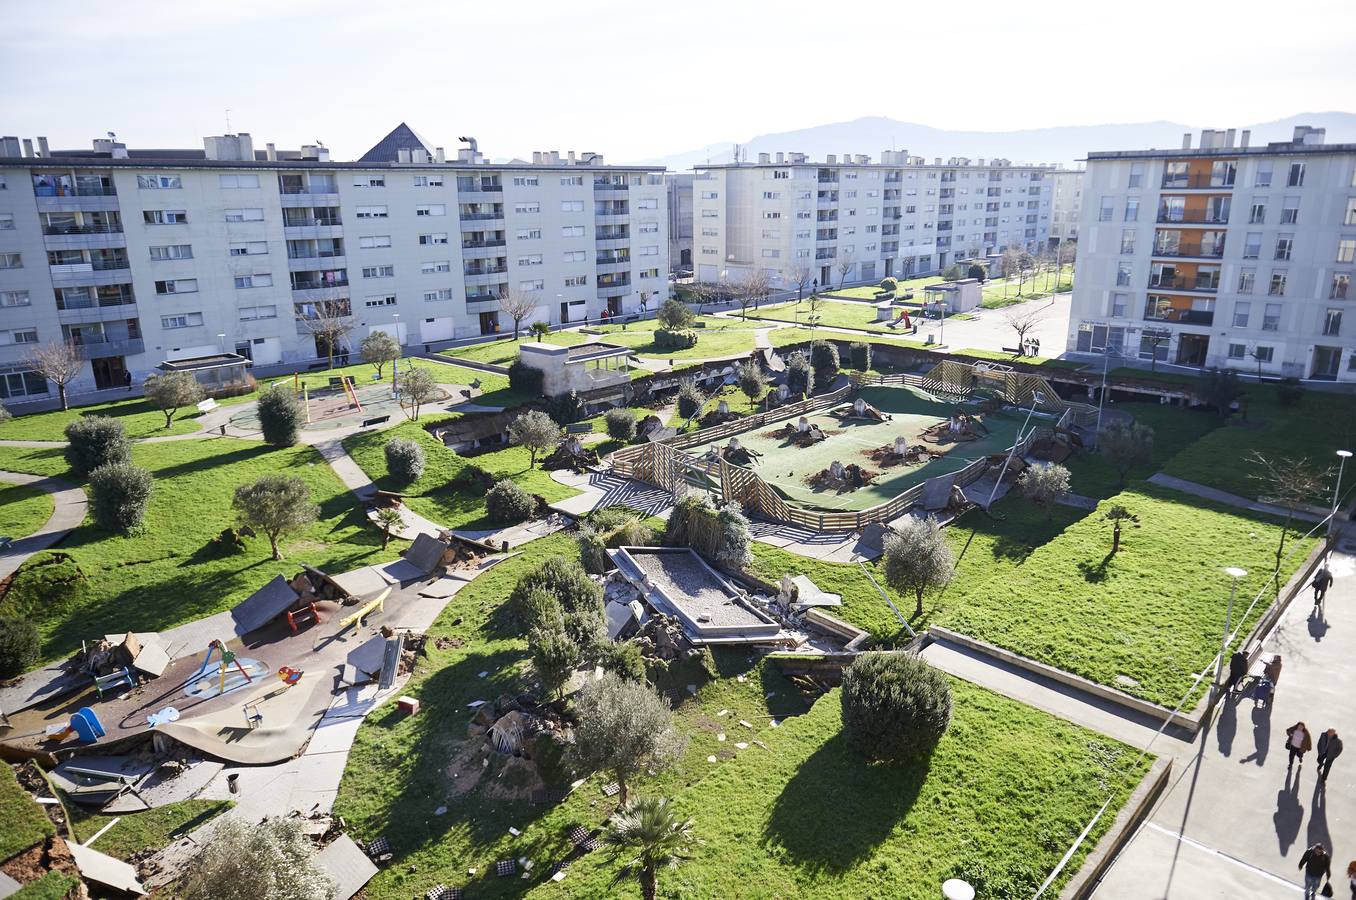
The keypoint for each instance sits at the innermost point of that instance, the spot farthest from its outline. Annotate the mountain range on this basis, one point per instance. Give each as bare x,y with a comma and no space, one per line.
1064,144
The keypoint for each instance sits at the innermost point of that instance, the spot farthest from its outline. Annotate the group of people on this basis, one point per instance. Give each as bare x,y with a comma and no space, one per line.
1031,347
1265,686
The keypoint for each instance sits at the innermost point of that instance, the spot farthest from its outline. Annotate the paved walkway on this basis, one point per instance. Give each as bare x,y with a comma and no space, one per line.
1235,821
68,514
1209,493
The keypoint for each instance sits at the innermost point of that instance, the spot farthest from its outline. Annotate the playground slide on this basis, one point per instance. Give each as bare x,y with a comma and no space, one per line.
352,393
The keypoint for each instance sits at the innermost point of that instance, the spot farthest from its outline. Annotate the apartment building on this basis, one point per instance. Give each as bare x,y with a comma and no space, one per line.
680,221
1221,255
139,256
854,220
1066,205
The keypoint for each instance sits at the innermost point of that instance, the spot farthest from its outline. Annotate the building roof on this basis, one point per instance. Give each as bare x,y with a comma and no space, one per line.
402,137
170,163
1280,148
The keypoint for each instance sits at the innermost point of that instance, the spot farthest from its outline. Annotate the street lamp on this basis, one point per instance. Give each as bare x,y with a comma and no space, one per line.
1107,353
1343,455
1036,400
1237,575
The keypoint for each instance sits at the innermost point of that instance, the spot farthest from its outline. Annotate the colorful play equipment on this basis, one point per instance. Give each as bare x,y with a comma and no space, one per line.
202,687
84,724
365,611
306,615
290,676
113,680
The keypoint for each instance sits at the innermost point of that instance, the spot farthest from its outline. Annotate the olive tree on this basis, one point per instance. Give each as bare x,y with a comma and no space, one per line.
675,315
245,861
417,387
1290,482
275,505
171,391
895,706
379,348
917,558
536,431
624,728
1043,485
1126,445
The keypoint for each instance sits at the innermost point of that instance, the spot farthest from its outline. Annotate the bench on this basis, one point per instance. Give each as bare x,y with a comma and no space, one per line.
376,420
298,617
207,405
336,382
113,680
579,428
1015,351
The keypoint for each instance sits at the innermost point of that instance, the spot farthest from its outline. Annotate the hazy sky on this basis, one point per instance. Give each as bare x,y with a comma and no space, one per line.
634,80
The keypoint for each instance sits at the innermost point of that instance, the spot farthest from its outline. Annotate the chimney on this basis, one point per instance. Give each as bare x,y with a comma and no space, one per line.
9,146
1243,138
1229,138
439,155
42,147
1186,141
764,158
271,152
830,159
570,156
28,146
780,158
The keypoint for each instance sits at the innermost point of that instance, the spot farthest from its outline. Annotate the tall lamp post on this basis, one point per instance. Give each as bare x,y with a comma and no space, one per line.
1036,400
1237,575
1342,455
1107,353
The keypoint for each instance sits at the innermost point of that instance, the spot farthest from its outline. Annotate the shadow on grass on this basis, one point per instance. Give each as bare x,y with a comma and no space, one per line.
838,807
1095,573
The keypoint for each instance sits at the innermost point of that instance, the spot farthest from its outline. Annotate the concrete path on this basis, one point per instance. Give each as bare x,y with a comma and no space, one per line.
1234,821
1209,493
356,480
70,510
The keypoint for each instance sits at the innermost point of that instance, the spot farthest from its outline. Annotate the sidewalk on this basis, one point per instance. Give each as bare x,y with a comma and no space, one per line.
1234,823
68,514
1209,493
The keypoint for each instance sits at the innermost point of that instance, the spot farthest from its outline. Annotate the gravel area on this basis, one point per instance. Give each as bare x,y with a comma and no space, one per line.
687,581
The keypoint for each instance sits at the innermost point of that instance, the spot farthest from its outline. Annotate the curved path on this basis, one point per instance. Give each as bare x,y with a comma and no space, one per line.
69,513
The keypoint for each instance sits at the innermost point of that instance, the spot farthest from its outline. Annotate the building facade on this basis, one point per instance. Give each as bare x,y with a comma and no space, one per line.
1066,205
852,220
138,257
1221,255
680,222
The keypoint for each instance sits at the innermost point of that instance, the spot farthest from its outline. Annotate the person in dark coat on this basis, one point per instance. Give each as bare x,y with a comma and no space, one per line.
1322,581
1329,748
1297,742
1238,668
127,379
1317,865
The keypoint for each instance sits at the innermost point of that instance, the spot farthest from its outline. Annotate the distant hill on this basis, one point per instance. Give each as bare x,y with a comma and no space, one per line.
1037,145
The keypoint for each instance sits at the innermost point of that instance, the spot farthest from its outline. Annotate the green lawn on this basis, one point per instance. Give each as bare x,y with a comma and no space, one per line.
169,573
999,292
138,417
1175,429
1008,789
23,510
1185,379
869,291
785,337
1048,362
152,828
832,313
51,886
22,821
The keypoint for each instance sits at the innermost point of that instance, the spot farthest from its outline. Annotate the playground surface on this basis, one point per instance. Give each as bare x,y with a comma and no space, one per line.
788,467
330,408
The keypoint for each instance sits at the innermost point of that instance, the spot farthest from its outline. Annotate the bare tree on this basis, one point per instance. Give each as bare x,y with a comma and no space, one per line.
59,362
801,277
1291,482
844,267
517,305
1009,263
753,288
1022,319
329,320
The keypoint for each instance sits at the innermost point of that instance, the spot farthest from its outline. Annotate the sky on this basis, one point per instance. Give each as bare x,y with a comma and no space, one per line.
635,81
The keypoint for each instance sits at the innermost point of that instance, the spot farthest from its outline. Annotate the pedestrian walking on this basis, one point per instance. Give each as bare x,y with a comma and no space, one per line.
1322,581
1351,877
1273,669
127,383
1238,668
1262,691
1329,748
1297,742
1317,866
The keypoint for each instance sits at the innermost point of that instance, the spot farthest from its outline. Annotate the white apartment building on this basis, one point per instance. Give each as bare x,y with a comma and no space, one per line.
680,221
1066,205
140,256
1221,255
853,220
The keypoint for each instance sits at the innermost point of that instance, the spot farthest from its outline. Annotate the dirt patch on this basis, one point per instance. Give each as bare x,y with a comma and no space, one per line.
449,643
37,861
511,778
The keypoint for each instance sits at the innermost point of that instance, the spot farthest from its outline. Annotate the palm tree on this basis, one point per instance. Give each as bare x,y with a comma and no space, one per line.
651,833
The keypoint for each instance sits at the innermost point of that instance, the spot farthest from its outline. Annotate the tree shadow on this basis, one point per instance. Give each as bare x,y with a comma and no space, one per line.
838,807
1095,573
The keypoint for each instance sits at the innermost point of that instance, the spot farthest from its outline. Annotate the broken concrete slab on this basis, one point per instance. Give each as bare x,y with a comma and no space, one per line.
364,662
264,605
426,553
167,784
400,571
362,582
347,865
442,588
102,869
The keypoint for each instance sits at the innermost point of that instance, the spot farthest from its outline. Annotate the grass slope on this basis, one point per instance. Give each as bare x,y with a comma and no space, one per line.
22,821
23,510
138,417
152,828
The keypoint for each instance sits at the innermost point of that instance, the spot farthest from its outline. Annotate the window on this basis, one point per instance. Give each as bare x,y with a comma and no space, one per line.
572,256
379,271
1127,240
1332,322
1123,274
572,231
156,182
529,234
15,298
253,281
250,313
524,208
771,254
1242,310
1259,212
772,214
1108,209
1118,304
1252,245
440,294
710,232
1136,178
647,203
572,206
177,286
165,217
1285,243
533,259
239,181
774,195
526,181
1247,278
706,214
379,300
1290,211
710,195
708,251
1346,250
23,336
1263,177
428,181
1132,209
1238,351
1341,282
249,248
1296,178
372,212
426,240
173,251
648,228
434,210
182,320
535,285
436,266
1263,354
374,241
649,273
577,281
1350,217
11,261
652,250
6,222
572,180
363,181
1271,317
244,215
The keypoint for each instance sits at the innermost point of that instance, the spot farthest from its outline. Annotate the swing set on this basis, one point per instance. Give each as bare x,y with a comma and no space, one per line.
328,411
200,685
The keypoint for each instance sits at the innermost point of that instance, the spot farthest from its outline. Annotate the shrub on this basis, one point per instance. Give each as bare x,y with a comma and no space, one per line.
621,424
896,707
96,441
951,273
404,458
1219,388
631,533
674,315
19,646
539,329
977,271
889,284
280,417
719,534
118,494
824,359
859,353
472,478
625,659
580,601
592,551
800,377
690,398
508,504
675,339
1289,391
555,656
565,408
525,379
750,380
245,861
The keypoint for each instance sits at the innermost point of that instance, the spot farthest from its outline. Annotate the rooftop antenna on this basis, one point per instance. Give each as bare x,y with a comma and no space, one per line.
228,120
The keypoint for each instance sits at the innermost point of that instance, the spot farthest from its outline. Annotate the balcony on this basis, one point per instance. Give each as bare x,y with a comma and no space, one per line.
1198,285
1154,313
612,243
476,271
609,266
313,229
1187,251
480,245
481,216
90,312
1173,182
479,187
308,263
96,238
482,297
611,217
826,201
1192,216
113,228
608,186
96,347
318,286
304,196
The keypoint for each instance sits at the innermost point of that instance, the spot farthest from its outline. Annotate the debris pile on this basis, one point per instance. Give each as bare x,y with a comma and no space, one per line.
572,455
959,427
719,416
802,432
661,637
860,409
521,727
841,478
313,586
736,453
900,453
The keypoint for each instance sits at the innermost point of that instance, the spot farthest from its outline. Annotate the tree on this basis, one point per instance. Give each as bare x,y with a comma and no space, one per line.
20,646
750,380
1126,445
280,416
624,728
1219,388
1009,263
536,431
1259,358
1044,484
753,288
917,557
647,835
275,505
508,504
389,520
1067,253
417,387
802,277
824,359
690,399
517,305
1154,338
1022,319
59,362
244,861
844,267
570,596
328,320
977,272
675,315
555,656
94,441
404,459
172,390
800,376
895,706
1116,515
621,424
379,348
539,329
1290,482
889,284
118,494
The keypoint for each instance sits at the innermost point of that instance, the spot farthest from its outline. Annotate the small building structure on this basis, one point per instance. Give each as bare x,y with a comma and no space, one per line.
953,296
221,375
583,367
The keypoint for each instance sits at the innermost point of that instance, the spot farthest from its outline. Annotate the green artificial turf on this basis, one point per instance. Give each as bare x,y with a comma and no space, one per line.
23,510
169,572
149,829
22,821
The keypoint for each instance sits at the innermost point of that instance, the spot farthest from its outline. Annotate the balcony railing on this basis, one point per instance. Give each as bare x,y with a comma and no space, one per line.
298,285
292,189
82,229
476,245
1189,252
100,346
1193,216
1173,182
1180,316
1185,284
313,223
610,186
52,190
481,216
